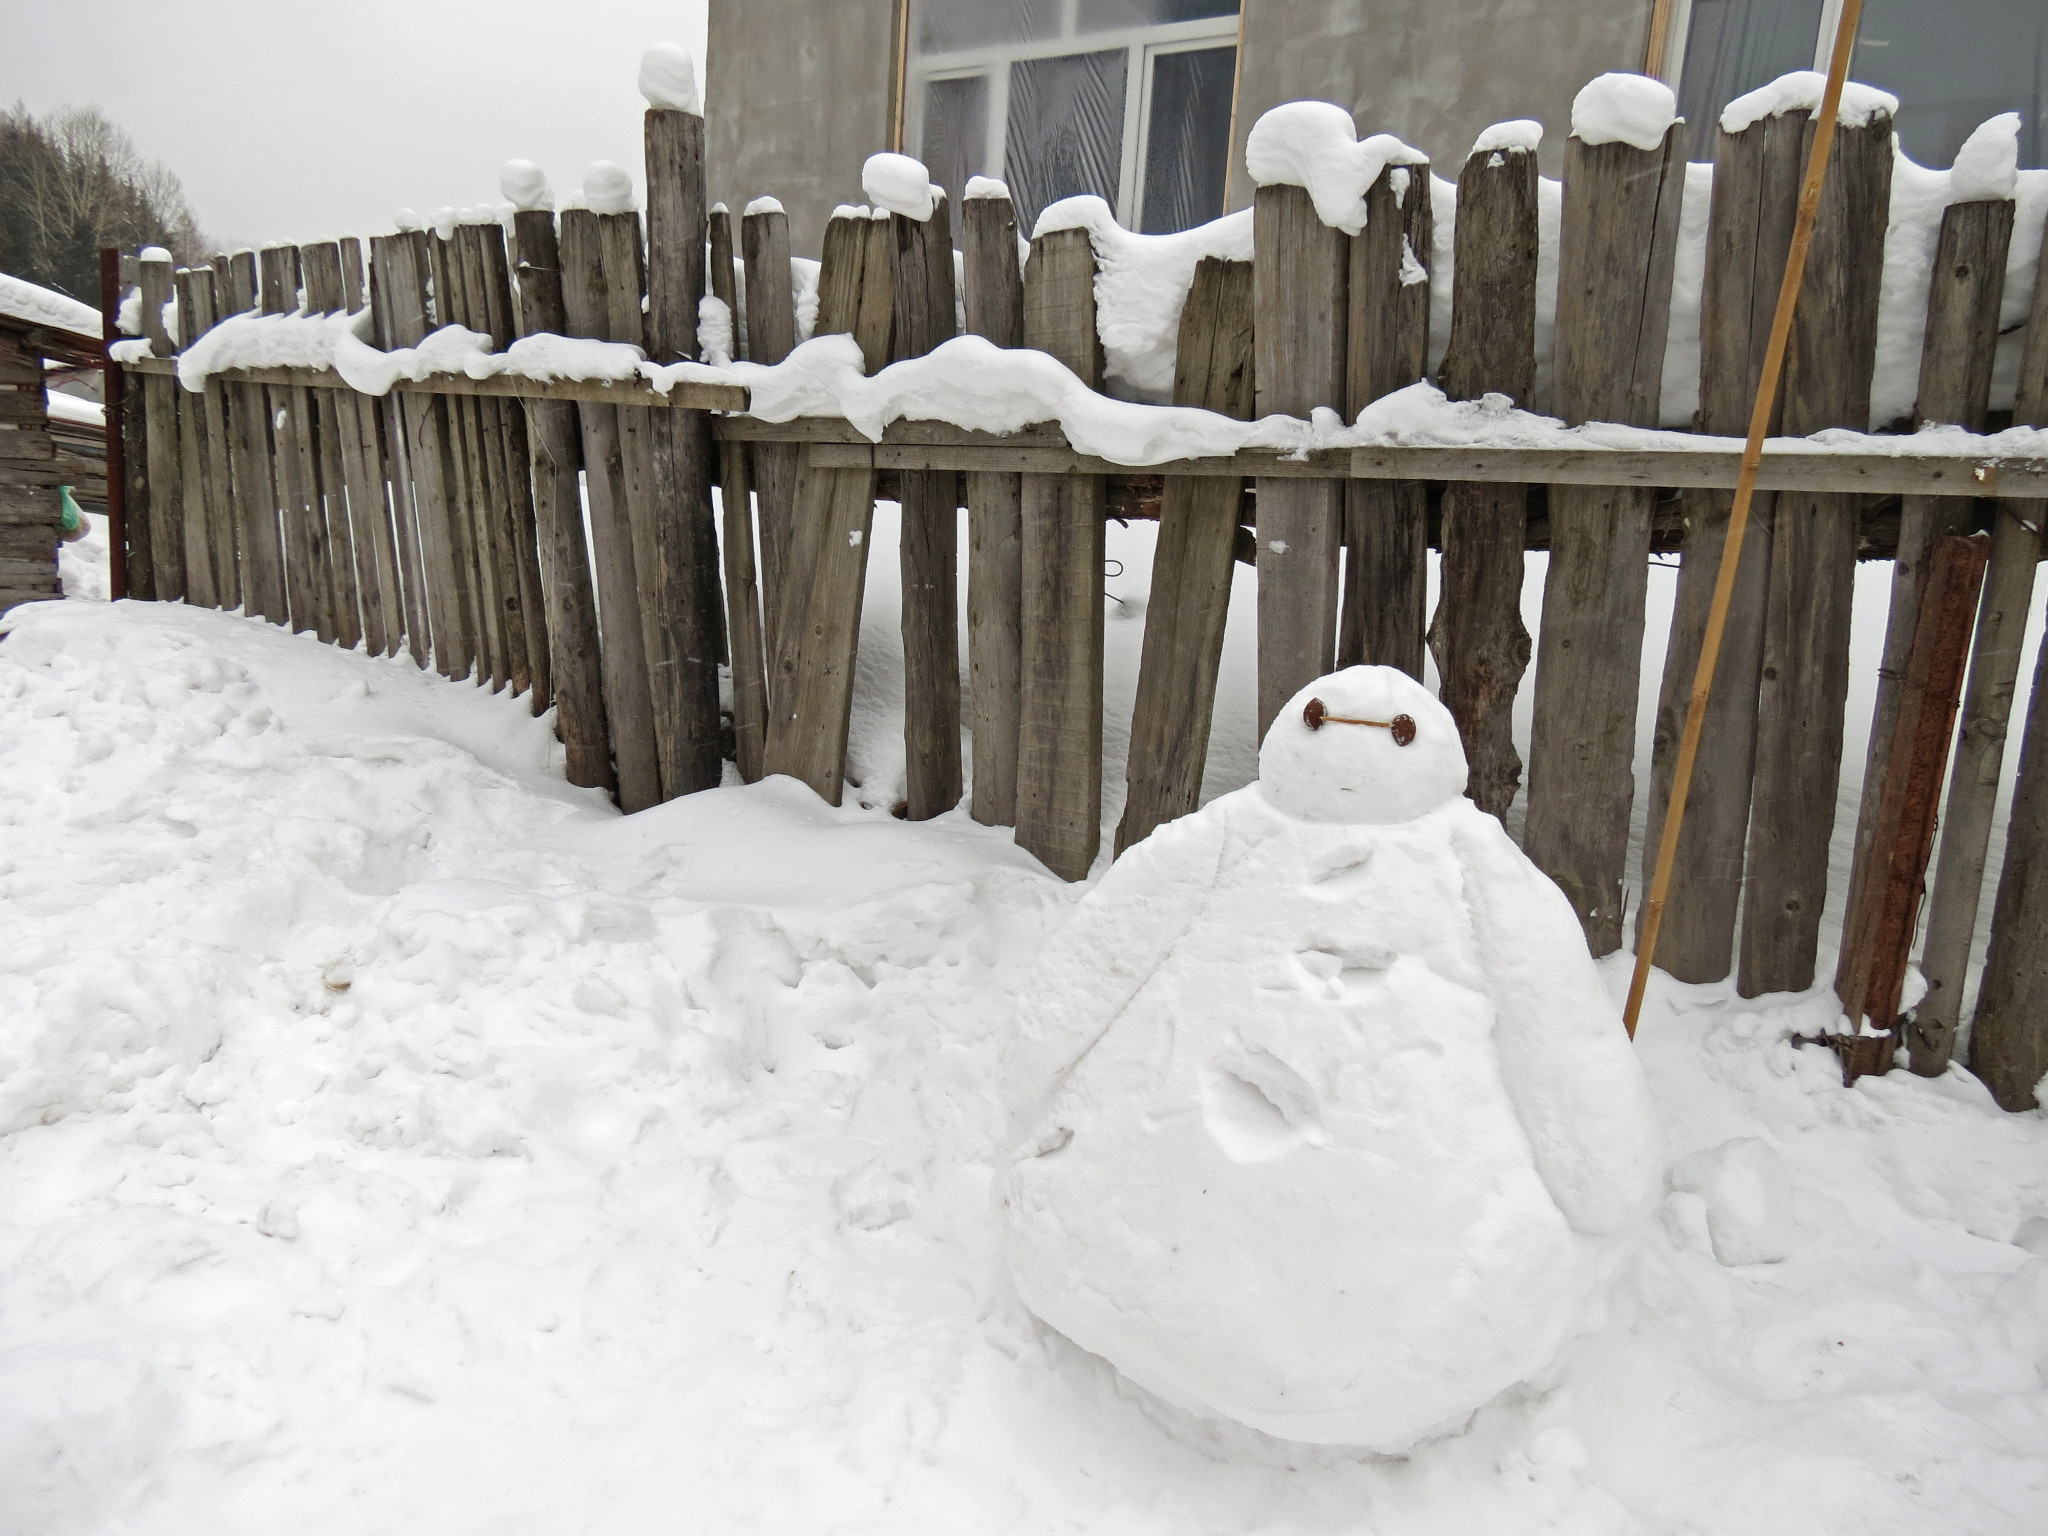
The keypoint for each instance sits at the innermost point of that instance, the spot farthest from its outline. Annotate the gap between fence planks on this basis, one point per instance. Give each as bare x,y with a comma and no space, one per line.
1192,565
1617,245
743,622
1059,732
1477,635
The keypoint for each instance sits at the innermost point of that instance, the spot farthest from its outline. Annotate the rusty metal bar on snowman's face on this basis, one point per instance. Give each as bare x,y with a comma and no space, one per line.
1315,715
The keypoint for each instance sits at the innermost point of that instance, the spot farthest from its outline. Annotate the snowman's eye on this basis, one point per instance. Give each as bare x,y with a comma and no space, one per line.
1403,728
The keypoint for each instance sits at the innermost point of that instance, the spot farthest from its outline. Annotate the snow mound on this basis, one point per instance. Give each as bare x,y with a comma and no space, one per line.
1802,91
608,188
1258,1020
28,301
762,205
986,186
1517,136
898,184
668,80
1315,145
525,185
1624,109
1987,167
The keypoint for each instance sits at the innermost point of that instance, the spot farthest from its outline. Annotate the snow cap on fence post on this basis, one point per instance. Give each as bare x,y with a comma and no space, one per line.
1801,91
525,185
1617,108
899,184
1987,167
405,221
608,188
1516,136
1315,145
668,79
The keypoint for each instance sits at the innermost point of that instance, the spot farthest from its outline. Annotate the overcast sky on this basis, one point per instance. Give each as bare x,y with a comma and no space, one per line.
303,119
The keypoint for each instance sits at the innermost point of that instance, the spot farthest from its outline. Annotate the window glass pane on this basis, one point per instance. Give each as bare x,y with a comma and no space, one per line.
955,135
1187,144
1954,64
1066,129
1734,46
1103,15
948,24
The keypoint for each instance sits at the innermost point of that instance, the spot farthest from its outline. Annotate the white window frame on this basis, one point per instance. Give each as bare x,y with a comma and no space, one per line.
1141,45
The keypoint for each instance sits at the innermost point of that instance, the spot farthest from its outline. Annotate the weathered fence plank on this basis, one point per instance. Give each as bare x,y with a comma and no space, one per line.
1300,266
689,629
1886,909
498,516
1386,523
321,266
294,435
194,318
1477,635
1059,733
629,703
745,642
995,511
1618,230
469,527
1955,387
554,460
928,547
508,427
771,333
1192,565
163,525
369,508
224,521
1749,234
1803,680
1987,713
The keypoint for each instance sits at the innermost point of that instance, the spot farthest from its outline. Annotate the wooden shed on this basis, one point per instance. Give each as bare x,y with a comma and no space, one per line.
41,331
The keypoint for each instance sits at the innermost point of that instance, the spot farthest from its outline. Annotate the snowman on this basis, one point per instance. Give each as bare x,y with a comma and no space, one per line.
1322,1118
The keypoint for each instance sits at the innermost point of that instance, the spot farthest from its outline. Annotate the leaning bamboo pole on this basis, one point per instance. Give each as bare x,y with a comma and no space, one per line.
1745,489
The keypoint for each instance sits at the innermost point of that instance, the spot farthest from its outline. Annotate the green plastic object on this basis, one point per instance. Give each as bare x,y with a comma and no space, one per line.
74,515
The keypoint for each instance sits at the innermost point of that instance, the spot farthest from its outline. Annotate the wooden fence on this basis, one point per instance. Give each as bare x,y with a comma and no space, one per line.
446,517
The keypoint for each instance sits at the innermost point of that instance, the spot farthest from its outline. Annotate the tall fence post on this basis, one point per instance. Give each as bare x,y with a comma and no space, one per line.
163,544
1059,734
321,265
1299,269
1617,238
745,643
1477,635
995,510
930,535
201,497
689,628
252,465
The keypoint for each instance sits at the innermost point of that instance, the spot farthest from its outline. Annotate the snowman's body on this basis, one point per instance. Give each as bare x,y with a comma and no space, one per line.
1327,1125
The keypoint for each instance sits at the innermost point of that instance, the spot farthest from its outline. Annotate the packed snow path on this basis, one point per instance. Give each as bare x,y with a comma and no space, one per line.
393,1138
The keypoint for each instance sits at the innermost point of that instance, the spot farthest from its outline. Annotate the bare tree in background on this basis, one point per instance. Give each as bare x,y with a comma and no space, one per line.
73,181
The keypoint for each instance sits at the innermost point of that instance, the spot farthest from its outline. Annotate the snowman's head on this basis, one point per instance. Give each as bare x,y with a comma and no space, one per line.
1406,761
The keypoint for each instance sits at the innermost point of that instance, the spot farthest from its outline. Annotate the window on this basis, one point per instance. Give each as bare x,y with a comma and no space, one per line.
1951,64
1128,99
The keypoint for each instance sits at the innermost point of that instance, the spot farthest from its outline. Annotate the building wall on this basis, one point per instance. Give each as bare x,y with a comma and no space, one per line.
1433,72
796,98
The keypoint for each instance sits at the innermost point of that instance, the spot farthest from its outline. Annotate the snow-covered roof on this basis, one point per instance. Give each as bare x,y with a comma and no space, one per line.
22,300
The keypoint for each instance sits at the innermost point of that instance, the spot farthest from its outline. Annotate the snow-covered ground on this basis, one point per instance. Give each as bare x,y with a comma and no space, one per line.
394,1138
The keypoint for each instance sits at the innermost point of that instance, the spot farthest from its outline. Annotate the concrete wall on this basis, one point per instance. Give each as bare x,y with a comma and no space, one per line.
796,97
1433,72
